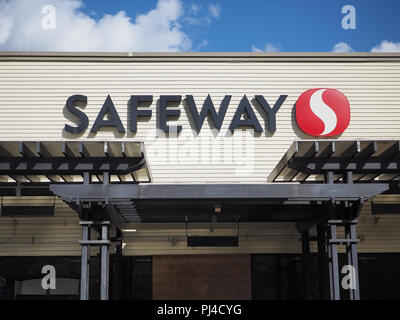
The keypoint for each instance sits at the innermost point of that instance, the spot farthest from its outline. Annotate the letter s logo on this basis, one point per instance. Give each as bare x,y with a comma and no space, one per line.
322,112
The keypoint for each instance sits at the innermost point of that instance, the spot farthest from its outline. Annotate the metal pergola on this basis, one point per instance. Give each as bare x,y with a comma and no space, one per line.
33,167
321,182
366,160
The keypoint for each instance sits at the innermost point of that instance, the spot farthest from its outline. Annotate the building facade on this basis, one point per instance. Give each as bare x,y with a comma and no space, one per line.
155,100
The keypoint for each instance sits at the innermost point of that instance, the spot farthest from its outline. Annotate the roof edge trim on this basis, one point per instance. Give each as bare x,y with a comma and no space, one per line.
198,56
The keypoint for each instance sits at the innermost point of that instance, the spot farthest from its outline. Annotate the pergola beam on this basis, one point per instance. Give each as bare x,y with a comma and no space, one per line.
341,165
69,165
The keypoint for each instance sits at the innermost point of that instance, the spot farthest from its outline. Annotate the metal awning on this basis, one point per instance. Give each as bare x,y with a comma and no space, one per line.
101,180
367,160
39,163
362,161
238,202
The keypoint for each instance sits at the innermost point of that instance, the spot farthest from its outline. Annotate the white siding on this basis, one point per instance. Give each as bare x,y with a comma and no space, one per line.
274,237
45,236
33,94
59,235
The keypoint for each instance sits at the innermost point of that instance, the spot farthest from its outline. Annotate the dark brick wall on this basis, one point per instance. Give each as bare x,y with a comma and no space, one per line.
202,277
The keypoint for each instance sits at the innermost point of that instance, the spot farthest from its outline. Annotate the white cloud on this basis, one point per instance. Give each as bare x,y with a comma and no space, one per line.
215,10
342,47
269,47
387,46
5,26
156,30
194,17
202,44
194,8
196,21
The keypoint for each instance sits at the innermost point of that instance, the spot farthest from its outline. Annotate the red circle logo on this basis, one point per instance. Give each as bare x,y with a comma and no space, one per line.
322,112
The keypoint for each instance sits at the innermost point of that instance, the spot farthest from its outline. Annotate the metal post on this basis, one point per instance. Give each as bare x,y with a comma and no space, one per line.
333,263
348,178
118,267
322,259
104,262
305,243
329,177
352,259
85,263
305,269
331,294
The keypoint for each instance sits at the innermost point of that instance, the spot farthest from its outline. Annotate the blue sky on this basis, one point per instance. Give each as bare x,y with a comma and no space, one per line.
291,25
203,25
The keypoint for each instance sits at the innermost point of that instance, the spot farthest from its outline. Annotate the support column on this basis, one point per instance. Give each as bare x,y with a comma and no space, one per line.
322,262
118,267
104,244
352,258
305,266
85,260
333,263
350,241
104,262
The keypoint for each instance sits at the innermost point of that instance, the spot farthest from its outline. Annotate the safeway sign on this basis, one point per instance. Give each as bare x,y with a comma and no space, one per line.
323,112
319,112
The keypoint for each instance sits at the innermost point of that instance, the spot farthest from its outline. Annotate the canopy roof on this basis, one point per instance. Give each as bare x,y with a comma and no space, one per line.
101,180
66,161
367,160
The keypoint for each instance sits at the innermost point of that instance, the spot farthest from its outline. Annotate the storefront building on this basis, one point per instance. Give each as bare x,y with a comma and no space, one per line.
200,175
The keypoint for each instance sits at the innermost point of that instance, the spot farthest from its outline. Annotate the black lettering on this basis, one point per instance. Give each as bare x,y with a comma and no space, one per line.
271,112
113,121
208,109
135,113
84,121
165,113
245,107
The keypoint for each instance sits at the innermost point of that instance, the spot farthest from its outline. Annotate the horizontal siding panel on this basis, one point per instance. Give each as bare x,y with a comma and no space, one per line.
49,238
40,236
33,95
